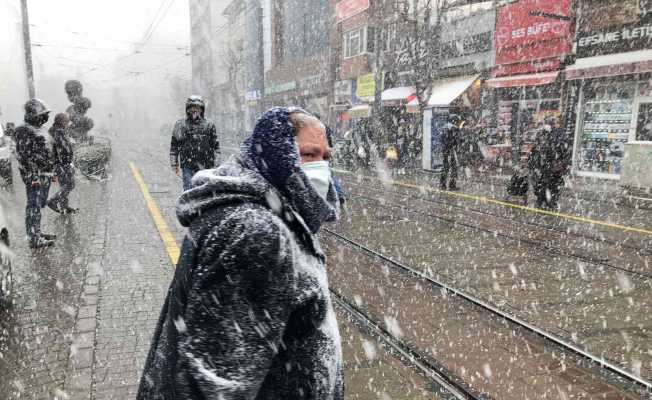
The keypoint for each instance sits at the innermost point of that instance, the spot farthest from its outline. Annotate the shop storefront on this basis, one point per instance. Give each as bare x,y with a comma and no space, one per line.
467,52
614,110
525,82
461,94
523,103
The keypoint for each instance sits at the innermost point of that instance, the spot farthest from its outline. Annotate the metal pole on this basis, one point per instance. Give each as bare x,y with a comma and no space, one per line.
27,44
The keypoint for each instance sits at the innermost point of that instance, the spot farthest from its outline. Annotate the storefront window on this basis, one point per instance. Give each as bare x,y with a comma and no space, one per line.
644,117
606,126
521,112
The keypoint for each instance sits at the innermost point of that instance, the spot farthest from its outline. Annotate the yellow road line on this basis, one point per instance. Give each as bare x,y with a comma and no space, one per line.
161,226
489,200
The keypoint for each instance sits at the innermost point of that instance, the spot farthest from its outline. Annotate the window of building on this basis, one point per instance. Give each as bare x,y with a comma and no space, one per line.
388,37
304,28
355,42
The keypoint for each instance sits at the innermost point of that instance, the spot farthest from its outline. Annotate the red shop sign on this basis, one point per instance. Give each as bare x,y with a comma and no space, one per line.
523,38
348,8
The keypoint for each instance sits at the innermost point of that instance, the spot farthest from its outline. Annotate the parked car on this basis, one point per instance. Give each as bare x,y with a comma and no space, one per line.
6,151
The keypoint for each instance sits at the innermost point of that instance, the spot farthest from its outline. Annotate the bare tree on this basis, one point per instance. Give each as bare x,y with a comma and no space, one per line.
416,51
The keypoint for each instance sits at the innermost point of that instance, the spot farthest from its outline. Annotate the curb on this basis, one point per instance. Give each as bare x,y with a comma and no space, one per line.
79,378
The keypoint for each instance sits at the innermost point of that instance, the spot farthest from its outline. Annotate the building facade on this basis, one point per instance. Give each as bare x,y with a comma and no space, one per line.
612,80
504,65
210,41
299,43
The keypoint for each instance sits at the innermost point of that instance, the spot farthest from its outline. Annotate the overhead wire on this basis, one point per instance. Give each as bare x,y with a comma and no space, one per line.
63,46
155,27
156,21
131,42
149,27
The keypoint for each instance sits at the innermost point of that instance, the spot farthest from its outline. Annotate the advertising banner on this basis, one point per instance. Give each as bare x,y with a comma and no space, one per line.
616,39
532,30
366,86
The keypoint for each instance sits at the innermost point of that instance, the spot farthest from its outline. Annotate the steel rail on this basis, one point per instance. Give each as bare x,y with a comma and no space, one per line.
554,250
551,337
507,218
451,384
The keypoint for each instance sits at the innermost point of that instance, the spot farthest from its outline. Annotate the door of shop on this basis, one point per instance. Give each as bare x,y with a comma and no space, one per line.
643,120
519,121
439,119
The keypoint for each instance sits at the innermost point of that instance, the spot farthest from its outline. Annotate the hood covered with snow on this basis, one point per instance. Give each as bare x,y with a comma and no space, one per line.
234,183
231,183
268,172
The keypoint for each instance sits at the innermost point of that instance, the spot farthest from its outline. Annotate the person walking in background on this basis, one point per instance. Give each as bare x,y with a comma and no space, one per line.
341,195
194,145
63,164
450,139
34,154
549,163
248,314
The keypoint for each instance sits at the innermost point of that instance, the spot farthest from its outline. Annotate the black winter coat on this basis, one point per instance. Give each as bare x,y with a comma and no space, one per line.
450,138
550,156
34,152
194,145
248,314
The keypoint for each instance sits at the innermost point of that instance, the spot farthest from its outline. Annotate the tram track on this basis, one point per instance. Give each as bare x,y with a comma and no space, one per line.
407,194
439,375
551,249
550,338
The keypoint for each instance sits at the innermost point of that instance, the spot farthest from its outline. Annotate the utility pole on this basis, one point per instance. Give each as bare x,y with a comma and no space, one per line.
27,44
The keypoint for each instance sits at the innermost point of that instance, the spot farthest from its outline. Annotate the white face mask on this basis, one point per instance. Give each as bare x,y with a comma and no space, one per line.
319,174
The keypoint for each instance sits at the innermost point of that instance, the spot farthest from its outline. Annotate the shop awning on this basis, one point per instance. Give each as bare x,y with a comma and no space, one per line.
446,91
398,94
633,62
359,111
544,78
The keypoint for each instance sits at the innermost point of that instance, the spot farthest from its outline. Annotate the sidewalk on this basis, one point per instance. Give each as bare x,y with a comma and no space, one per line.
587,188
45,346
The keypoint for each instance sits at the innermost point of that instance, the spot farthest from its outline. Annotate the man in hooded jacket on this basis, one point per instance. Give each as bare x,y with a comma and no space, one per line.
34,154
248,314
194,145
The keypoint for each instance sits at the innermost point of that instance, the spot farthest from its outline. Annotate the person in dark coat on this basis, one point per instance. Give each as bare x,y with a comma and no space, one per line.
194,145
341,194
450,139
248,314
548,163
63,164
34,154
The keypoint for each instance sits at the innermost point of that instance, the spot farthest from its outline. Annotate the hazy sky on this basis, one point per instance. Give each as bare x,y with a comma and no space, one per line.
96,41
101,36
